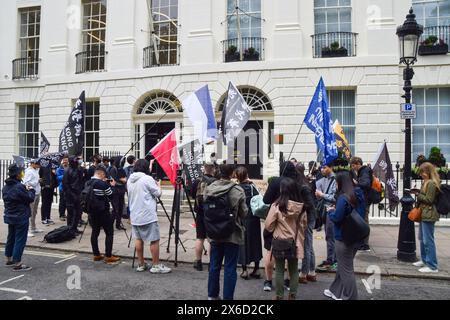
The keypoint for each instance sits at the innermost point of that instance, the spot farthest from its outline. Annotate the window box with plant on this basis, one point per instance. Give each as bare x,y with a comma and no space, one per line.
232,54
437,159
334,50
433,46
251,54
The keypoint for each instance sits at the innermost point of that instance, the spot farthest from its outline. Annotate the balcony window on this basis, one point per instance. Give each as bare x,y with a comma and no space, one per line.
28,130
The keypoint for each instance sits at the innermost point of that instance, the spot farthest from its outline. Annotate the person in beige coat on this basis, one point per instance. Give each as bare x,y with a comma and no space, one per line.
287,220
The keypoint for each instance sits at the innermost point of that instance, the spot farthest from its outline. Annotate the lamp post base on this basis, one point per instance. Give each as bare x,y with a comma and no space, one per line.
406,235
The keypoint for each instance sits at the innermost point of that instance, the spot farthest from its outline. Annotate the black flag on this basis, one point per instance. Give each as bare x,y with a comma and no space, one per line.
44,145
71,139
51,160
383,170
20,161
192,157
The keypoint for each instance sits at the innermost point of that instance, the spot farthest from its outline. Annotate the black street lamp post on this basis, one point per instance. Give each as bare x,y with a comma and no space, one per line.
409,34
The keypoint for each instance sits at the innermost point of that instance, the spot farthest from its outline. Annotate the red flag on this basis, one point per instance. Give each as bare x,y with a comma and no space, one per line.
166,153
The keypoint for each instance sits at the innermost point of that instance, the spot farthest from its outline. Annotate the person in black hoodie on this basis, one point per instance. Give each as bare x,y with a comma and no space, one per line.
17,199
48,182
73,183
119,176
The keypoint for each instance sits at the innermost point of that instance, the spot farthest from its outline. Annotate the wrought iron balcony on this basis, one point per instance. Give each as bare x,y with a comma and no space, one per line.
25,68
90,61
334,44
251,49
169,55
434,40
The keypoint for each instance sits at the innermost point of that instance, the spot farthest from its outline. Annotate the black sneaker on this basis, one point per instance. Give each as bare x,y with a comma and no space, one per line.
286,285
324,266
267,285
198,265
45,222
21,267
9,264
364,247
50,221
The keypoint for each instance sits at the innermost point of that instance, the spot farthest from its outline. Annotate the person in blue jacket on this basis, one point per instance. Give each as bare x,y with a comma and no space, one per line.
349,197
59,176
17,199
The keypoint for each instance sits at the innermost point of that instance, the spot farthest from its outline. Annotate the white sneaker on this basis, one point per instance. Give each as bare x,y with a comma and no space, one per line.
142,268
160,268
30,234
418,264
37,231
213,299
330,294
428,270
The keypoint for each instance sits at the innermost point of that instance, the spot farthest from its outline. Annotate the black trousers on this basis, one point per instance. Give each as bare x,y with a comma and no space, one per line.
99,220
118,204
62,204
47,200
73,215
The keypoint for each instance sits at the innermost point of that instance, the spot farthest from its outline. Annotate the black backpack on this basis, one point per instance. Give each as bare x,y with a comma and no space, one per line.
443,200
89,202
59,235
219,219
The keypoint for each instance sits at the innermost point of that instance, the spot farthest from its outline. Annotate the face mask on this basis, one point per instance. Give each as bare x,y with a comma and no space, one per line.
21,175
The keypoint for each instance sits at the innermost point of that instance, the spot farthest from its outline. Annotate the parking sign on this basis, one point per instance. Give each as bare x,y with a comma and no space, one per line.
408,111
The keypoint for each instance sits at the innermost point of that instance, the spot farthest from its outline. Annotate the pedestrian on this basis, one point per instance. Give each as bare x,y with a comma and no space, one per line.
426,201
251,251
325,194
48,185
131,160
59,177
32,179
119,176
363,180
349,198
308,268
198,189
287,170
73,183
224,198
17,199
100,216
106,164
143,191
287,220
96,161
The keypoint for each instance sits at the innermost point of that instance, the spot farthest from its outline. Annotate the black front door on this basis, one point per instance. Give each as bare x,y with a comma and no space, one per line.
153,136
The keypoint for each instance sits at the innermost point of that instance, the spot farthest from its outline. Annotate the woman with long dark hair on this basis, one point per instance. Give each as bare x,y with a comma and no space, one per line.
349,198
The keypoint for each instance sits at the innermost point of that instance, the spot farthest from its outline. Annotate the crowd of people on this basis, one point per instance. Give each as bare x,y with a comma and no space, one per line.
298,203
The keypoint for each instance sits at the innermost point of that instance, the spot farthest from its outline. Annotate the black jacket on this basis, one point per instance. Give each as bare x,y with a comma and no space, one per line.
102,194
309,201
48,178
364,179
73,184
17,199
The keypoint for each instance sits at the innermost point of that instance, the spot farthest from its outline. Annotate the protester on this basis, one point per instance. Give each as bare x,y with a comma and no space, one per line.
106,164
16,199
118,175
32,180
48,185
73,185
349,198
363,180
287,221
325,194
62,199
100,216
131,160
426,201
251,251
198,189
96,161
142,193
228,248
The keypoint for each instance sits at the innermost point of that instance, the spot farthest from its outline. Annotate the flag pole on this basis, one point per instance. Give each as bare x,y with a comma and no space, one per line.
293,146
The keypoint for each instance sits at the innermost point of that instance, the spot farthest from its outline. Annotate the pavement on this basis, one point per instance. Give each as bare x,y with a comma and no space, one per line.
381,258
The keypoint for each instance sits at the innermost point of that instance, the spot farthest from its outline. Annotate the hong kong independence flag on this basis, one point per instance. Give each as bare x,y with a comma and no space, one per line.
166,153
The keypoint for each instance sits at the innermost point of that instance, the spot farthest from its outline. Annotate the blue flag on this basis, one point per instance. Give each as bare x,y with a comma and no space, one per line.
318,120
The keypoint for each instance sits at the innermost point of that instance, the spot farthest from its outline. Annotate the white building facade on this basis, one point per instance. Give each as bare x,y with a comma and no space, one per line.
135,67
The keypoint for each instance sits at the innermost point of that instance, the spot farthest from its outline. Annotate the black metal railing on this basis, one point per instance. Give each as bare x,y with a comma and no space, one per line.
169,55
334,44
25,68
91,61
442,33
250,49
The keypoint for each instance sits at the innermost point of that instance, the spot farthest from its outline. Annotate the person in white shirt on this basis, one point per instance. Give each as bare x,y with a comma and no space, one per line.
32,180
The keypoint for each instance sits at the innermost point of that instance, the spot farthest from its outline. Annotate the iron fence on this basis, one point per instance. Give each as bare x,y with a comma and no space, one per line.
334,44
25,68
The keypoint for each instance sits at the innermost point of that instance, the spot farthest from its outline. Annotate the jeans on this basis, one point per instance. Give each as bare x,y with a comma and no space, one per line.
98,221
74,215
62,204
427,245
218,252
309,260
279,276
34,210
16,241
329,237
47,199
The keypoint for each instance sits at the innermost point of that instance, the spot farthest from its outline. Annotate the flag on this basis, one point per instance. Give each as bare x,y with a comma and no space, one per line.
383,170
44,145
341,141
235,115
192,157
199,109
52,160
71,139
166,153
20,161
318,120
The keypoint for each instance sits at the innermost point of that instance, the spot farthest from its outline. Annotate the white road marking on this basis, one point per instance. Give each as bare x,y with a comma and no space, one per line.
6,281
25,298
13,290
68,258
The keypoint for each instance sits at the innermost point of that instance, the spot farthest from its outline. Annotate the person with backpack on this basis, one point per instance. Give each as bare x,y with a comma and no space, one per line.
364,178
97,206
251,250
426,201
349,198
225,210
198,189
287,220
118,175
73,183
16,199
143,191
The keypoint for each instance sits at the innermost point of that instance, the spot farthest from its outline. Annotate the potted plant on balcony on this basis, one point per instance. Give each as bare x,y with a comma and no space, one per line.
232,55
251,54
432,46
334,50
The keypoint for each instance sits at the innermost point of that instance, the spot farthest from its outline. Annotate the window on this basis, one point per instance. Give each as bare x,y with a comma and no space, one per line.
249,12
159,102
30,24
332,16
28,132
256,99
91,129
342,105
432,126
432,13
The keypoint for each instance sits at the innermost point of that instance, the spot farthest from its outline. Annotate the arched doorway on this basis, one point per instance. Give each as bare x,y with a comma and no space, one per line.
254,146
156,114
